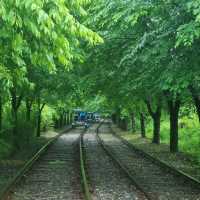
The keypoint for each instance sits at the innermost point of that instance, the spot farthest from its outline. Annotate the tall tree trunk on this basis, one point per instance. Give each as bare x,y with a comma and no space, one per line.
118,118
14,113
124,124
114,118
196,99
174,107
156,130
29,104
39,125
56,123
118,121
15,128
15,122
71,118
65,119
1,113
68,118
133,126
39,117
156,116
142,124
15,102
62,119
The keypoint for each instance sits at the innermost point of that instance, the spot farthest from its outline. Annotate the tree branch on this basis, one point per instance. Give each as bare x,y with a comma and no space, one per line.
42,107
149,108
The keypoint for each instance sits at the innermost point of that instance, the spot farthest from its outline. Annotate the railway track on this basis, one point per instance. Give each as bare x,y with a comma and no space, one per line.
115,170
156,180
54,175
107,180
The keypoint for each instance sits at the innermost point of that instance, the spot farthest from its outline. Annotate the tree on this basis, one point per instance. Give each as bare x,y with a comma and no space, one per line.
5,82
39,36
142,40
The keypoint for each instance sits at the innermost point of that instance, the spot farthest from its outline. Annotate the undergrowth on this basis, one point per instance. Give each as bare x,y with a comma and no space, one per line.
189,134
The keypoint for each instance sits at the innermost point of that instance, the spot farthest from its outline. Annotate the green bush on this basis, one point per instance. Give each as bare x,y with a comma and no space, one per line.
5,149
189,133
26,133
47,118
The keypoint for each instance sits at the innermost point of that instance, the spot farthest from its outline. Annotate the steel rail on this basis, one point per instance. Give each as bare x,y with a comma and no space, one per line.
28,165
159,162
122,166
85,184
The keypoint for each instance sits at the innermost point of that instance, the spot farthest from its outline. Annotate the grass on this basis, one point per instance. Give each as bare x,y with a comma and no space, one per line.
28,143
189,134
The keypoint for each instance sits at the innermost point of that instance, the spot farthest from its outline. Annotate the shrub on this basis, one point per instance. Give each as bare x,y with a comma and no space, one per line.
5,149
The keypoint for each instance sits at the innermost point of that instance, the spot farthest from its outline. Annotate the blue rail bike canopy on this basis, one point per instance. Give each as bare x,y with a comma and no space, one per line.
82,116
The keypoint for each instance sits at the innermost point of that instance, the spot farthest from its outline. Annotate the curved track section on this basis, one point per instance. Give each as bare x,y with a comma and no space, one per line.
56,175
155,180
107,180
